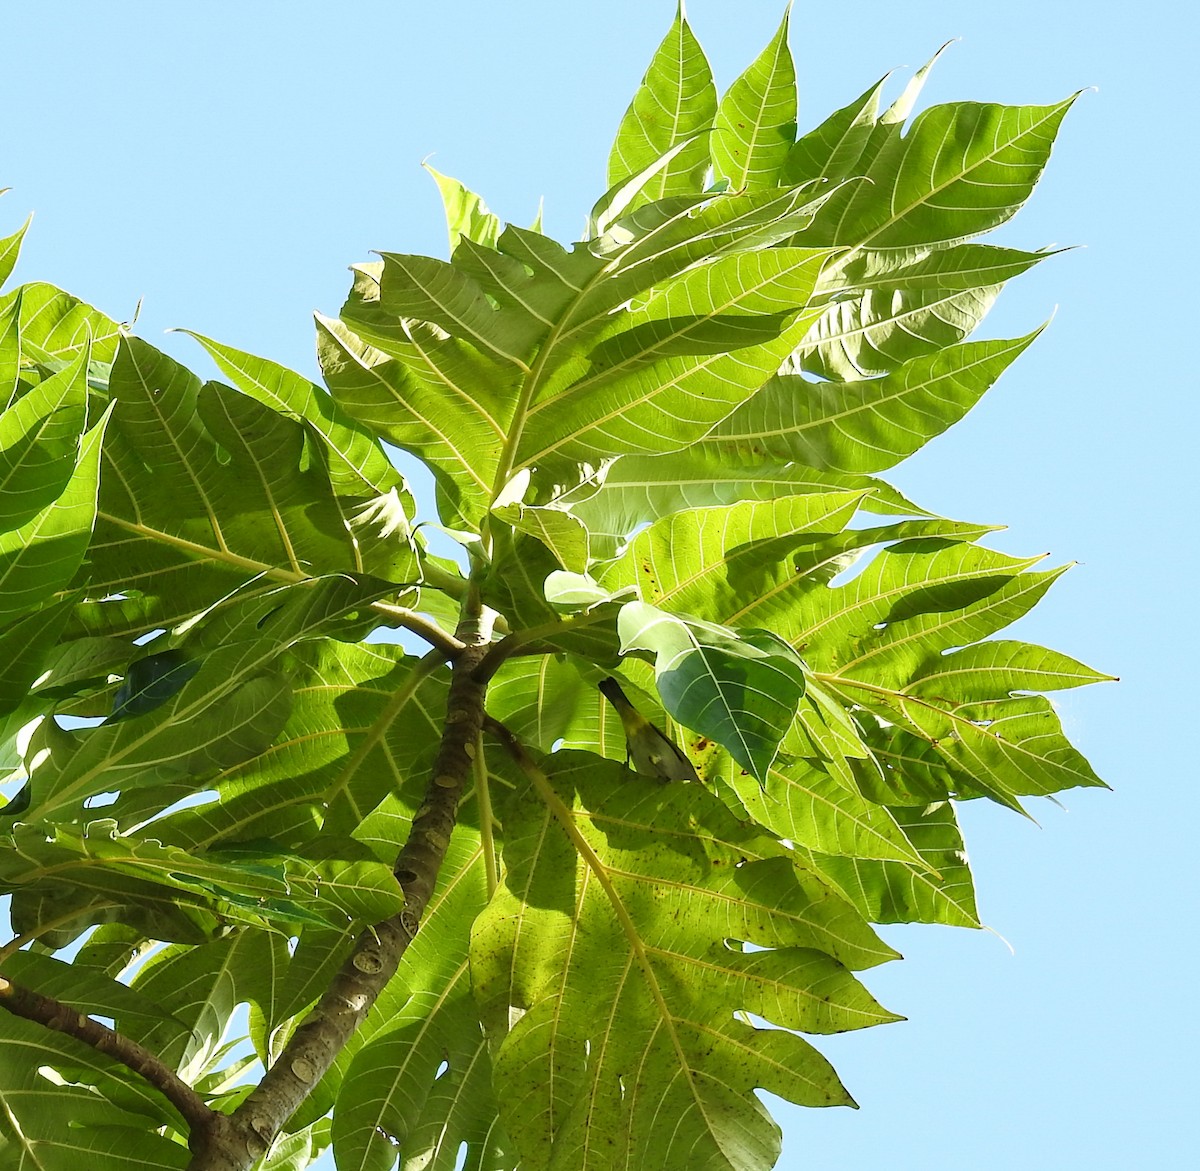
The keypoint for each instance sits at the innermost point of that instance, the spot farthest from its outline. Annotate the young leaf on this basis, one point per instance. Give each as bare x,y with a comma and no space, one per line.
740,688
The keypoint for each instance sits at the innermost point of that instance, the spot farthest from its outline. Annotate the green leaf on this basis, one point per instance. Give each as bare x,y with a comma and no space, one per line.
942,891
993,670
10,249
357,464
231,710
833,149
467,216
582,971
445,415
432,290
24,647
86,990
906,590
56,327
205,492
42,555
740,688
963,168
805,804
891,307
563,534
707,561
269,883
865,426
755,126
638,489
39,443
675,102
10,350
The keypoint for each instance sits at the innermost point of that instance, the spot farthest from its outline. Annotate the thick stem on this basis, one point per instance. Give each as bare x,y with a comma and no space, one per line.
241,1138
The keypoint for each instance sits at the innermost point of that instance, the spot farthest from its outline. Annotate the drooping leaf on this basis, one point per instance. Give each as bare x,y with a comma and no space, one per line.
740,688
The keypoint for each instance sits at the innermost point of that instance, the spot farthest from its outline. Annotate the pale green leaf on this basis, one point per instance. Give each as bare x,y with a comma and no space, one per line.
895,892
706,561
444,415
39,443
10,249
56,327
605,975
467,216
993,670
357,464
561,532
832,150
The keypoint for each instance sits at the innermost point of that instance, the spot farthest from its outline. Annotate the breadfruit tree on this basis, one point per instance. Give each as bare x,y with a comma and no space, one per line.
424,883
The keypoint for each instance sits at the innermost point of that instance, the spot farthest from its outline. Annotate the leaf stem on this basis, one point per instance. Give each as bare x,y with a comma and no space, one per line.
246,1134
61,1018
526,642
486,819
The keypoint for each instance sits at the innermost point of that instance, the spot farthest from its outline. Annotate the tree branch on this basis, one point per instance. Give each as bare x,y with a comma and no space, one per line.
62,1018
237,1140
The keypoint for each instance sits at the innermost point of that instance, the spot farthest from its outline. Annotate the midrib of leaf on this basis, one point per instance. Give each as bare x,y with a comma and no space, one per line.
956,178
224,554
638,950
14,1127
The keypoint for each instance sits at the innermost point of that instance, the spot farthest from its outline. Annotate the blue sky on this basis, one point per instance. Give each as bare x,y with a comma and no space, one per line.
226,162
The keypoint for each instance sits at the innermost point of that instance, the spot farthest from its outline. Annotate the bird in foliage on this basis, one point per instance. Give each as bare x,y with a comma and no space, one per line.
651,752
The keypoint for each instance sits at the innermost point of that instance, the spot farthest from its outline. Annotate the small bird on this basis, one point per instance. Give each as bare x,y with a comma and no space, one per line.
652,753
